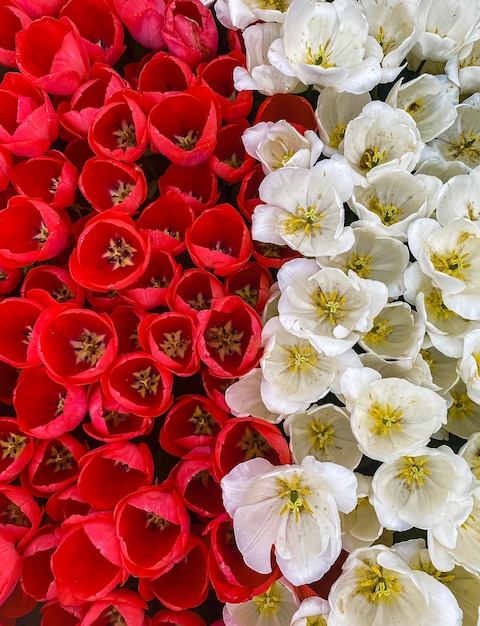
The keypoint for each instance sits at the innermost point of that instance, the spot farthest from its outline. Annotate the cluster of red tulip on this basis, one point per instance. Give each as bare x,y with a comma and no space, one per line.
131,294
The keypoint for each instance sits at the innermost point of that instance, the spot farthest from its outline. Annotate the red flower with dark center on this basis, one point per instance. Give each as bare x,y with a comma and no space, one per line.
28,124
20,515
161,74
110,253
75,345
216,387
13,20
50,52
119,129
126,319
47,409
165,220
194,292
229,160
246,438
140,384
50,285
229,337
153,526
247,197
63,504
87,562
114,470
120,606
218,75
16,449
191,570
36,578
220,240
111,421
195,481
77,114
272,256
51,178
40,235
170,338
193,421
231,578
17,319
183,126
110,184
197,185
150,290
290,107
100,28
252,283
10,277
54,465
190,31
104,301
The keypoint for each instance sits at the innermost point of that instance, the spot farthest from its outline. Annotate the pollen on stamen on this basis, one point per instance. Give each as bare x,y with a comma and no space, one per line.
226,340
203,421
120,192
175,345
89,347
146,382
119,253
126,136
12,446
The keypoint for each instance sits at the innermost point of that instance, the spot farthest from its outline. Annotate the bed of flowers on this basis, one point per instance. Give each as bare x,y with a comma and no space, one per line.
239,312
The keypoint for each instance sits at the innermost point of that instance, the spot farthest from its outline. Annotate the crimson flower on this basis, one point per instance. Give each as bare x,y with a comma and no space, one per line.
196,184
194,291
11,566
16,449
54,613
144,19
161,74
50,177
13,20
183,126
50,52
190,31
247,197
220,240
20,514
252,283
36,578
40,7
87,562
121,606
293,108
177,618
17,319
197,484
48,284
28,124
229,160
119,129
153,527
140,384
110,253
100,28
75,345
126,319
229,337
6,164
110,472
63,504
111,184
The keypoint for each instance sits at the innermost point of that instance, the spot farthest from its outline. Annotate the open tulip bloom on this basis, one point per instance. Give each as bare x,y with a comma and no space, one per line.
240,312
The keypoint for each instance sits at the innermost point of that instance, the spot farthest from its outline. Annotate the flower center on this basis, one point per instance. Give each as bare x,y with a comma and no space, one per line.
114,417
371,158
200,302
249,295
62,294
379,332
320,59
307,220
429,568
461,407
267,603
60,405
386,44
434,301
376,586
226,340
328,305
295,495
359,263
126,136
468,146
203,421
54,184
89,347
156,522
273,5
337,135
451,263
174,344
385,418
12,446
15,515
414,471
253,444
187,142
301,360
388,213
119,253
146,382
115,617
269,250
321,435
60,459
42,234
120,192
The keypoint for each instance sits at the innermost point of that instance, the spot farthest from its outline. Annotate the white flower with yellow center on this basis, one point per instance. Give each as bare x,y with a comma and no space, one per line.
390,417
378,588
391,201
463,68
327,307
397,332
460,197
304,208
279,144
275,607
259,74
323,432
450,256
295,373
381,139
312,612
428,489
334,111
327,44
238,14
469,365
430,100
244,397
295,509
361,526
373,256
463,415
393,24
470,451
